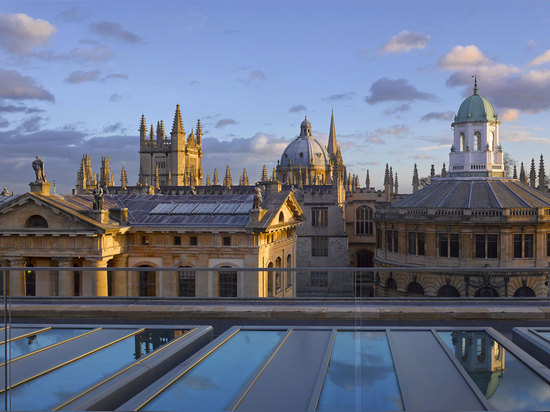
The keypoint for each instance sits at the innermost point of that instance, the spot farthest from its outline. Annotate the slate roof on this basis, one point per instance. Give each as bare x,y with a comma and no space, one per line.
475,193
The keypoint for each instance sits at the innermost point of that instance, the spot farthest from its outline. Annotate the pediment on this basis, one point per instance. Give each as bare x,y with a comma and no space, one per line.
35,214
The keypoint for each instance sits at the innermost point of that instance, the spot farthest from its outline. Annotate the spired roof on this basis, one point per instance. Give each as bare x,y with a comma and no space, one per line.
476,108
475,193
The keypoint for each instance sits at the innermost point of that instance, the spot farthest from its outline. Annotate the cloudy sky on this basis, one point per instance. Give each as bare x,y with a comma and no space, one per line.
75,77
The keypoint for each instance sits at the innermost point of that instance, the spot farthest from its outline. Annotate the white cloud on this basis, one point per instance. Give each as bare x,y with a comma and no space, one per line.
509,115
15,86
406,41
542,59
19,32
433,147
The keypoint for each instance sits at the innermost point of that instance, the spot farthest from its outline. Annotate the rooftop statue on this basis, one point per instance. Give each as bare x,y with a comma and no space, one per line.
257,199
38,166
98,199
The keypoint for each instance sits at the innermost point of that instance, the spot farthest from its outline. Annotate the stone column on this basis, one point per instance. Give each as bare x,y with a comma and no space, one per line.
94,283
66,277
120,277
16,279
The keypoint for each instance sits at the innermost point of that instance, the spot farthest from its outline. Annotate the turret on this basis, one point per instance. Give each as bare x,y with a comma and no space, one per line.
245,178
198,134
123,178
142,131
367,181
227,179
178,149
542,175
152,133
415,182
215,178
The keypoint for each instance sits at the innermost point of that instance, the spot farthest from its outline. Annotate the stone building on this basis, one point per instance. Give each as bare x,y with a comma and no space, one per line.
473,218
39,229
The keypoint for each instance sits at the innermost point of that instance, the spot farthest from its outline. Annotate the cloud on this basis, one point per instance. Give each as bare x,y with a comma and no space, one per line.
396,130
91,54
423,157
542,59
71,15
115,97
115,31
15,86
297,108
225,122
4,123
376,139
385,89
113,128
32,124
509,115
19,33
339,97
405,107
433,147
254,77
259,144
10,108
506,86
406,41
437,116
193,83
80,76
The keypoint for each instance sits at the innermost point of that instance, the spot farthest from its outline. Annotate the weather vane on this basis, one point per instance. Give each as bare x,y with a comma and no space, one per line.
475,83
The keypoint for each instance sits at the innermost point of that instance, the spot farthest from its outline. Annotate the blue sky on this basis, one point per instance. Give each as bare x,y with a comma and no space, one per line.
75,77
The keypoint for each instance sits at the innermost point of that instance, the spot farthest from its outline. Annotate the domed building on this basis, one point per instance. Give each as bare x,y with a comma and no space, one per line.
474,218
305,161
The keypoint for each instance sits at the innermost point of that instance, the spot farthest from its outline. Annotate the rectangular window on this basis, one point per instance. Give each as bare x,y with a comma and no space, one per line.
454,245
518,247
527,246
389,240
486,246
378,238
227,241
319,279
228,284
421,244
523,246
480,246
193,241
177,240
319,246
395,242
412,243
319,216
492,246
144,240
443,245
548,244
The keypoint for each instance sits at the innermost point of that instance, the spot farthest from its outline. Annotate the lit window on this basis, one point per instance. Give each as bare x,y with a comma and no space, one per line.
319,216
363,221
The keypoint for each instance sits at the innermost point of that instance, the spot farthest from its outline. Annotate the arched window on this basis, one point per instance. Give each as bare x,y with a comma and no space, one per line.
491,141
278,280
30,282
461,142
448,291
477,141
524,292
415,289
486,292
186,282
391,287
363,221
147,282
36,221
227,283
281,217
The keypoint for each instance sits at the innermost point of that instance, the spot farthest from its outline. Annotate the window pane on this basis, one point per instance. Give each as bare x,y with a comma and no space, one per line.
389,240
395,242
517,247
528,246
228,284
412,243
443,245
455,245
480,246
492,246
420,238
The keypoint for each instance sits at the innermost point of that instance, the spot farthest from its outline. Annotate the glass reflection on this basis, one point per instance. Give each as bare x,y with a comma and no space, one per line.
215,382
40,340
60,385
361,375
505,381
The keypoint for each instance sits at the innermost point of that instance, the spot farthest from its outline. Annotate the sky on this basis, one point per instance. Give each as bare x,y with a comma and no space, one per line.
76,76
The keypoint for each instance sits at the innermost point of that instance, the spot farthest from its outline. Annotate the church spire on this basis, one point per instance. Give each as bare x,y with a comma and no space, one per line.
143,128
415,182
198,135
177,126
367,182
332,146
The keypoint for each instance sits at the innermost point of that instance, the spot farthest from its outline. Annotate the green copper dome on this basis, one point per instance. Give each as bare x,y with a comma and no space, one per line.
476,108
